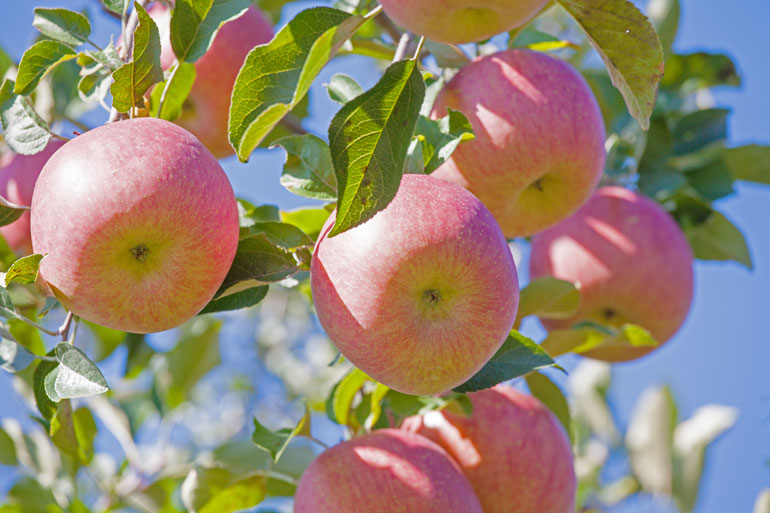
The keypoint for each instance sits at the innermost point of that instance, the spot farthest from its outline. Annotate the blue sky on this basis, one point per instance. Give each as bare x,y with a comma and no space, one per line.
722,353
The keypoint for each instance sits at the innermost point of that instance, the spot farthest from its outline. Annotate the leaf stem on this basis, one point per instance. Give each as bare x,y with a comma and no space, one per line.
417,52
403,46
35,325
374,12
64,329
167,87
60,137
316,440
94,45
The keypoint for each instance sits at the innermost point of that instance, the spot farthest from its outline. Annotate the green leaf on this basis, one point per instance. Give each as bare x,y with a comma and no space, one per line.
176,90
116,6
587,336
249,214
32,497
283,235
94,87
38,60
24,270
341,398
196,353
712,181
750,163
108,57
369,138
194,24
236,301
7,449
629,47
74,432
106,340
77,376
405,405
50,304
342,88
276,76
13,356
6,63
308,170
275,442
10,212
517,356
541,387
700,129
694,71
45,405
63,25
257,262
133,79
718,239
439,138
665,15
242,494
309,220
548,298
23,130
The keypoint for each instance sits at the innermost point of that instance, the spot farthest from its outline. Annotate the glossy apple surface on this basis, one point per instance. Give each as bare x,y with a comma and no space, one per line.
422,295
539,147
139,223
631,261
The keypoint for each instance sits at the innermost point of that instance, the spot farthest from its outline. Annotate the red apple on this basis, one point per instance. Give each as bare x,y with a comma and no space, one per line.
631,261
539,147
422,295
461,21
512,449
18,174
386,471
139,223
206,109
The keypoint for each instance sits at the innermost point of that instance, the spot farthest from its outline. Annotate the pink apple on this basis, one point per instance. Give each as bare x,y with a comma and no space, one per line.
461,21
18,174
422,295
205,112
631,261
386,471
539,147
139,224
512,449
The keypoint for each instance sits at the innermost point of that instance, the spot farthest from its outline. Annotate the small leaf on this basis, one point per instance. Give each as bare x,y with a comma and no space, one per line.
249,214
629,47
133,79
517,356
405,405
276,76
308,170
7,449
257,262
548,298
108,57
441,137
712,181
694,71
176,91
74,432
309,220
45,405
750,163
24,270
194,24
50,304
240,495
587,336
341,398
116,6
10,212
63,25
13,356
551,395
23,130
718,239
700,129
283,235
375,407
275,442
236,301
342,88
369,138
77,375
38,60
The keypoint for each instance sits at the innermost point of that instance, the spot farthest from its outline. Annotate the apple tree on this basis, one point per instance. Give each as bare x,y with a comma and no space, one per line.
172,348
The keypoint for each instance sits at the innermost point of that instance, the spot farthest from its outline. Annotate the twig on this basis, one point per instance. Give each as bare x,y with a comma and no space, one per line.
167,87
388,26
60,137
36,325
403,46
64,329
417,52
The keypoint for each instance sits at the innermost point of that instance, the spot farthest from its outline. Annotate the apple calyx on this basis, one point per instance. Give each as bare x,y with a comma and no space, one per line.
140,252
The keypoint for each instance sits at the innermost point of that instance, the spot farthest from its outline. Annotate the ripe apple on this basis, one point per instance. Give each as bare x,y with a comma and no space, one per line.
386,471
539,147
512,449
631,260
422,295
139,224
206,109
18,174
461,21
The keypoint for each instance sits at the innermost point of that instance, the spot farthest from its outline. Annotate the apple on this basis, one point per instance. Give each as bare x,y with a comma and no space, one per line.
631,261
18,174
461,21
539,147
138,222
420,296
205,112
512,449
386,471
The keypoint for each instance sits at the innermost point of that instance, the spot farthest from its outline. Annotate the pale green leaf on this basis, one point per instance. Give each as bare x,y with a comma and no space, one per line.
168,97
194,24
77,376
23,270
308,170
63,25
718,239
342,88
38,60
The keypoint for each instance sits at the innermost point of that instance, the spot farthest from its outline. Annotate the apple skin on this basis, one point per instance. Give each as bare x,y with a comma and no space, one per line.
539,147
632,262
458,22
386,471
512,449
18,174
422,295
120,189
205,112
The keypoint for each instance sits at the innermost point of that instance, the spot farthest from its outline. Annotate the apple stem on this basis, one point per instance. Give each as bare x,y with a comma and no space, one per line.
64,329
